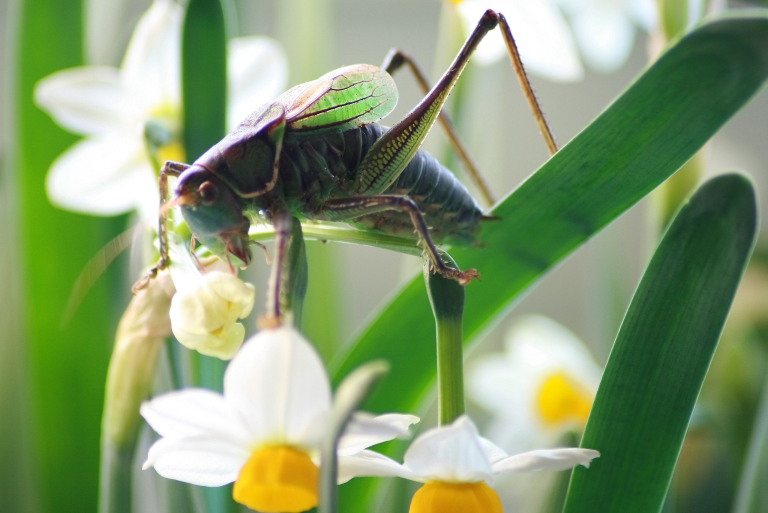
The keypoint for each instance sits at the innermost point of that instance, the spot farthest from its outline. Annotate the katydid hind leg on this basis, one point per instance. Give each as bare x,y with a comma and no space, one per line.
389,156
395,60
350,208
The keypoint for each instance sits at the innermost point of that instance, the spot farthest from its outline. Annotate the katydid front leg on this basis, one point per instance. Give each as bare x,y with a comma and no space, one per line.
170,168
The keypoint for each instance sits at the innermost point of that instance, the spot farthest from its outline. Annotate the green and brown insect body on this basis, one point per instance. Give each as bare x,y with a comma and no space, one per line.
270,164
316,152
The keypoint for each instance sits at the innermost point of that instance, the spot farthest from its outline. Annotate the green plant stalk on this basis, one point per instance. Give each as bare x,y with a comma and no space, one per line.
204,52
204,101
295,274
447,299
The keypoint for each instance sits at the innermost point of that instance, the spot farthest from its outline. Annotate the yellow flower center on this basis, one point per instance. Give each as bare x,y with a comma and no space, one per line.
562,399
163,134
278,479
443,497
172,151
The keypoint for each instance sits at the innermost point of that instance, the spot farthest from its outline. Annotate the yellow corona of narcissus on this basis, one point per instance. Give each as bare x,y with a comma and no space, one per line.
539,389
457,467
265,431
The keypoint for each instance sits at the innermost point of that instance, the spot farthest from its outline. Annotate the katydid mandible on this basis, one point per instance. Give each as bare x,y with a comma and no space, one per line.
316,152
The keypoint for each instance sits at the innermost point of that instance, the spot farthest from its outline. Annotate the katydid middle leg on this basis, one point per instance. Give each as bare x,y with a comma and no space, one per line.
344,209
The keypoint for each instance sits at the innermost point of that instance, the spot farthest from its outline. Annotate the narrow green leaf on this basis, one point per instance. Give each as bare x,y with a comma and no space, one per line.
204,97
639,141
663,350
204,76
65,363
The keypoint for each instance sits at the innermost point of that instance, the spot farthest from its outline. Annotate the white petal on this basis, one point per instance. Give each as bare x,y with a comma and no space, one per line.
223,344
492,451
365,430
89,100
151,68
104,176
205,308
545,459
542,36
232,289
370,464
449,453
605,36
258,72
278,384
193,412
199,461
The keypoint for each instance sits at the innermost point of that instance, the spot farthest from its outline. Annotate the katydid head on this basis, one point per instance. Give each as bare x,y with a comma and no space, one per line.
214,213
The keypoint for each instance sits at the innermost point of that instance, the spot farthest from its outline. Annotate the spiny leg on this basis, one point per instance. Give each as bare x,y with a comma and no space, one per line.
396,59
273,317
350,208
392,152
525,85
170,168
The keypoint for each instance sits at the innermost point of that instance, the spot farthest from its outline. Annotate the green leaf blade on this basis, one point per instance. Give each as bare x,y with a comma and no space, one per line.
663,351
638,142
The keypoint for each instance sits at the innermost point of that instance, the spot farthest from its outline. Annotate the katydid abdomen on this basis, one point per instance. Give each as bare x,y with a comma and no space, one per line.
316,168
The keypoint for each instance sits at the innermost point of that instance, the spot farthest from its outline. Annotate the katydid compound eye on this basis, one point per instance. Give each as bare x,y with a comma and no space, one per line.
209,192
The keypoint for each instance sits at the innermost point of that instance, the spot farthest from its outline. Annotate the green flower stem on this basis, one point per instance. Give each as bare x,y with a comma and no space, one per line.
294,277
339,233
447,299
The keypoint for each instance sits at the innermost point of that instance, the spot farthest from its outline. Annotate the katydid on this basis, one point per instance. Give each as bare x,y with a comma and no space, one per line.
316,152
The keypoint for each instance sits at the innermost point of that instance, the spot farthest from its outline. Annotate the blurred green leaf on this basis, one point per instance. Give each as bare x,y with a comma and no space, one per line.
752,496
65,362
204,76
663,350
204,97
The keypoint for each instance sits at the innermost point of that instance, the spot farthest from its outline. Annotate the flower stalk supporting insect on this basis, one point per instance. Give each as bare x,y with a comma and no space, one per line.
447,299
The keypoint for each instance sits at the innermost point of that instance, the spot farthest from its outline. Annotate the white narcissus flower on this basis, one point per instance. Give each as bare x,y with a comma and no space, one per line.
111,170
456,464
540,31
539,389
605,29
206,307
264,433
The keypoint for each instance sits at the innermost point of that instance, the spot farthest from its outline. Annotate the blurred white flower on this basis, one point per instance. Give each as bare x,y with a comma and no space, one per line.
207,305
539,389
111,170
456,464
540,31
264,432
605,29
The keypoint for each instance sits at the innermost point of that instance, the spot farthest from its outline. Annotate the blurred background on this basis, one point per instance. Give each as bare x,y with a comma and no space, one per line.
50,399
